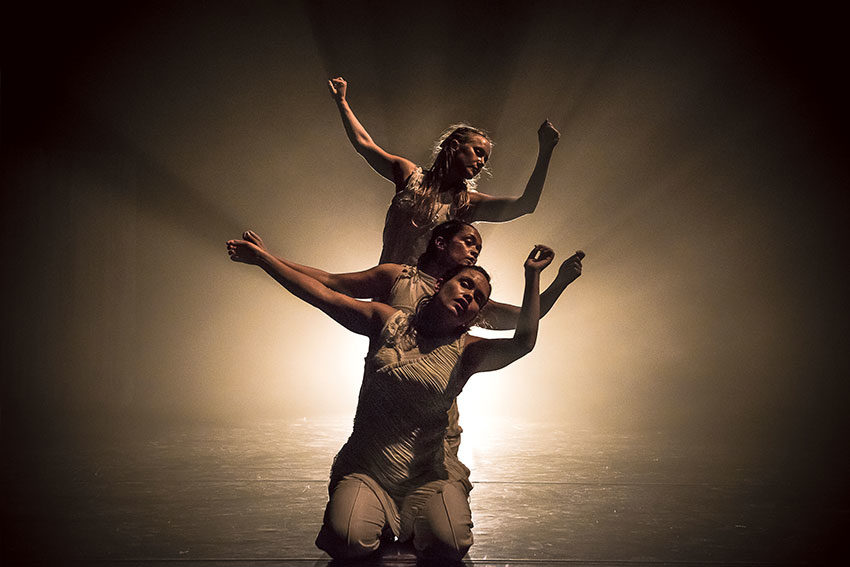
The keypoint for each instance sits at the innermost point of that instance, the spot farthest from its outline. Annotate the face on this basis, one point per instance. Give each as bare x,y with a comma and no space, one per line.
470,157
461,249
461,298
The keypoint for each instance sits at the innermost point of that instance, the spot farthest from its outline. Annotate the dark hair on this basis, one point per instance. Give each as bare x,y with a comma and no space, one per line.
446,230
433,177
412,326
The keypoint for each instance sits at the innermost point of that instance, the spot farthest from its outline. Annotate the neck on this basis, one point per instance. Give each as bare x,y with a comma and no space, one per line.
448,180
430,325
432,266
452,183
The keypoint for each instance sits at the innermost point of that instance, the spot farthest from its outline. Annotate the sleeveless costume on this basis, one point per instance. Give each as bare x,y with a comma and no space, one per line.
399,468
408,288
398,446
403,241
411,285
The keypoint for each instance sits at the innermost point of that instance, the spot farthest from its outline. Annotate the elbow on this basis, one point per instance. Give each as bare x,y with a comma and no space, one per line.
525,338
523,350
363,146
332,284
528,207
524,207
525,346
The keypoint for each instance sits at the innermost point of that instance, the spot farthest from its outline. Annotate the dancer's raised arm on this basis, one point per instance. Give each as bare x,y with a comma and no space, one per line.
395,168
365,284
503,316
483,355
361,317
499,209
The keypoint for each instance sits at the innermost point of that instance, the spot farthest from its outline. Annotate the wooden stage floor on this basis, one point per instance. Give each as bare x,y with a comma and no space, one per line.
544,495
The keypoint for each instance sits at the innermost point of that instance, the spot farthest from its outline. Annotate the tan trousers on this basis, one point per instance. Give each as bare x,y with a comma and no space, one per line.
356,521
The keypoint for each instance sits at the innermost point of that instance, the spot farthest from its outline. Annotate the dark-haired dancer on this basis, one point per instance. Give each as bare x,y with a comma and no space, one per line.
452,244
396,475
425,197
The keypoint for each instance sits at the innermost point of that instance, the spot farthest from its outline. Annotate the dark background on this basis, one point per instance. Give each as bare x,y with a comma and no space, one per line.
702,167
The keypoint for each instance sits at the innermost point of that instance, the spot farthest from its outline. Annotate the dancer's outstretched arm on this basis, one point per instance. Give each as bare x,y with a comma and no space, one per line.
367,284
395,168
500,209
361,317
483,355
502,316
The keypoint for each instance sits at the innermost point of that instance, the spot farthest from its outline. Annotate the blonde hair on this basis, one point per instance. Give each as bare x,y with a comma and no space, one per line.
425,193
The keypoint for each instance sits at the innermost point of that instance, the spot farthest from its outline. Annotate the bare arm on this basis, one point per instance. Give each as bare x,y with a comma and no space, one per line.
501,316
483,355
395,168
361,317
499,209
366,284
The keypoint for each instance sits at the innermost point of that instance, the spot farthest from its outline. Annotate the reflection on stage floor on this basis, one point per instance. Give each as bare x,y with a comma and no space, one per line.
543,495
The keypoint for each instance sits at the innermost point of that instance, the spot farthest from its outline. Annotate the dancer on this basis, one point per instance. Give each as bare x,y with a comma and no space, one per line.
395,476
452,243
426,197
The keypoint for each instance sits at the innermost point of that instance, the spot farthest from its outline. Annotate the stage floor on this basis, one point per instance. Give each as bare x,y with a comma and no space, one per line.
253,494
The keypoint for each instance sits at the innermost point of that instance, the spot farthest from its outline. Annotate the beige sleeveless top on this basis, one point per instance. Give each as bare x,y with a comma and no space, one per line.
398,439
403,241
408,288
411,285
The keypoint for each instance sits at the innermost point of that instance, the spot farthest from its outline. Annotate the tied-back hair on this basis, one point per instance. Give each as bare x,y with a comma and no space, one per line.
426,192
447,230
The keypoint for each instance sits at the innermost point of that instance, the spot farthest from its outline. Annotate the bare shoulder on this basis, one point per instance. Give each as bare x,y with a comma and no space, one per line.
380,314
474,349
472,340
403,168
476,197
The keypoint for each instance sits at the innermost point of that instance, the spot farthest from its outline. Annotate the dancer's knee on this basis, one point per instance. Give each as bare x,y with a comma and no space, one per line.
354,521
445,528
356,539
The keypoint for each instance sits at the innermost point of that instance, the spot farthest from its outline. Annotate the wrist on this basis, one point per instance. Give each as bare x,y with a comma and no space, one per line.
263,257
